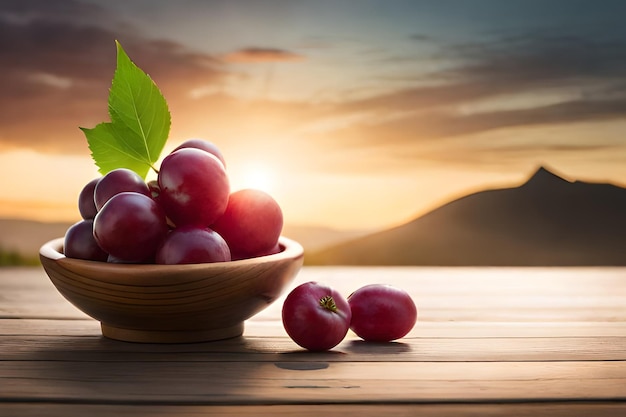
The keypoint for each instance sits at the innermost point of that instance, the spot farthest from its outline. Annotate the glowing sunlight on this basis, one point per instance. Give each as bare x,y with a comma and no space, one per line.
254,175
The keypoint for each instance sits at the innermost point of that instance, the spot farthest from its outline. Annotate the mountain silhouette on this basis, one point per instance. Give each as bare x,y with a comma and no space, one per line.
547,221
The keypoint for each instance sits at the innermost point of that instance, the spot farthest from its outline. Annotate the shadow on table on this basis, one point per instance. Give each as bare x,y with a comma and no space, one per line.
377,348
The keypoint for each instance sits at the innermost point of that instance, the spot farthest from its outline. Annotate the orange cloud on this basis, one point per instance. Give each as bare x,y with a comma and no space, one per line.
56,71
257,54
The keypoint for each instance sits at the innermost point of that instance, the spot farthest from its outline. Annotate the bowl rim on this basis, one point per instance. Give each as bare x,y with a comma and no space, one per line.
53,250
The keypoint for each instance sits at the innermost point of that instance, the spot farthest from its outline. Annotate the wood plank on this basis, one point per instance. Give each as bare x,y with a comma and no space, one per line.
28,292
262,327
275,349
573,409
338,382
442,294
491,294
489,340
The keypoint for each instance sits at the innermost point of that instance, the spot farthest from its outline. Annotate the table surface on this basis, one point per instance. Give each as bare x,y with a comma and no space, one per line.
488,342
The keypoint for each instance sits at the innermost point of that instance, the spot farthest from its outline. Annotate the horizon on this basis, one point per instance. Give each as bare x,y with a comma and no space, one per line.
488,187
353,115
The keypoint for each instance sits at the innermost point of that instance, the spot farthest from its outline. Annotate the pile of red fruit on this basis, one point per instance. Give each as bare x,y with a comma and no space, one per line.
188,215
317,317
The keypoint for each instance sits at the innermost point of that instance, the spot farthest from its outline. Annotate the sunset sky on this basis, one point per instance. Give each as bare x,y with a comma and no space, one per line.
352,114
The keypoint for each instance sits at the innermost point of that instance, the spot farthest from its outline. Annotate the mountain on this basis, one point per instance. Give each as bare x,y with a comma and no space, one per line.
545,221
314,238
25,237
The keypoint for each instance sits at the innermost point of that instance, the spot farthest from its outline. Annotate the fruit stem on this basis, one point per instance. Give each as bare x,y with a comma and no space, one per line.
329,304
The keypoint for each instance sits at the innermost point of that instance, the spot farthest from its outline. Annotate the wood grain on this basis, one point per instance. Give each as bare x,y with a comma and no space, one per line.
567,409
272,328
489,342
87,348
492,295
340,382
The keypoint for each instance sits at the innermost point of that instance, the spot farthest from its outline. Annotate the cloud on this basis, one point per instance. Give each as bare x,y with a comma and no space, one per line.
541,59
431,126
258,54
51,80
26,11
58,59
587,72
57,66
512,65
57,69
422,37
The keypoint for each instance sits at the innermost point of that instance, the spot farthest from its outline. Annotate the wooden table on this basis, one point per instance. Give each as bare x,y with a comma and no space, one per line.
489,342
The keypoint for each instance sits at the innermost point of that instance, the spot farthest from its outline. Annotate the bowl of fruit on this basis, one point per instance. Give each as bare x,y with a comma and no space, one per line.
180,259
153,303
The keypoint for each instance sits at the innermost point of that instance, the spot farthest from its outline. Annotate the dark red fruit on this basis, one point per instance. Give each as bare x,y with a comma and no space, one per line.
118,181
315,316
251,224
79,243
381,313
130,227
204,145
192,245
86,204
194,187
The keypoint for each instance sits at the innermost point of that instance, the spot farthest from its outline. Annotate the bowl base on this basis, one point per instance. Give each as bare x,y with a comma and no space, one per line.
173,336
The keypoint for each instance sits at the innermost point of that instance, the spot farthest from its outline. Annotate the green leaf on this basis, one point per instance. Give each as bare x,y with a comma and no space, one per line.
110,152
140,122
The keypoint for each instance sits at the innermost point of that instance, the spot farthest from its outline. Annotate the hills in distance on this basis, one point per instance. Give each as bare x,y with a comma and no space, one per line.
547,221
24,237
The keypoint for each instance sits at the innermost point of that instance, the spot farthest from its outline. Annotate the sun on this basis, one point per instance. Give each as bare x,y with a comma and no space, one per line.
256,176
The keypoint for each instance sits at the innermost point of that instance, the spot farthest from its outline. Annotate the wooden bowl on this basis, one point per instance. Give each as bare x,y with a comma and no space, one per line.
172,303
